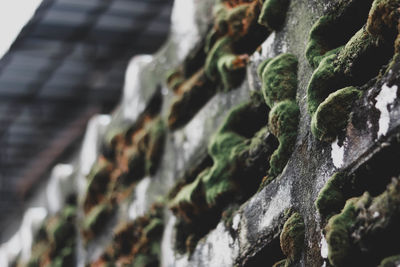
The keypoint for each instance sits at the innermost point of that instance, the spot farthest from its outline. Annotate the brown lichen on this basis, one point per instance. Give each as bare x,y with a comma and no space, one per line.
55,243
136,243
193,94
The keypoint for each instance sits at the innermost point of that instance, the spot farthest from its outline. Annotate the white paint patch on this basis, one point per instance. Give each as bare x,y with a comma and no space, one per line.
267,48
33,219
337,154
138,207
183,15
235,222
193,134
385,97
284,47
324,247
90,148
276,206
21,242
184,30
220,249
132,104
168,256
59,186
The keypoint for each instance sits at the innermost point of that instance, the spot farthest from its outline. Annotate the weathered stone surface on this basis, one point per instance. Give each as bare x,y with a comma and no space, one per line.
346,92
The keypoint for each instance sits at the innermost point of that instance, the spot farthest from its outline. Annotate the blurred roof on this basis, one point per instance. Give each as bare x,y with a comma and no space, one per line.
67,64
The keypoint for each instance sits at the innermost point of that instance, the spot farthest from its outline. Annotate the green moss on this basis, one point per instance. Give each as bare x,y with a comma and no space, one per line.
194,94
334,29
229,148
281,263
338,234
154,228
55,244
279,79
230,20
95,220
332,114
61,231
325,80
155,145
331,198
292,238
65,259
392,261
98,182
137,243
358,61
261,67
383,18
317,46
273,13
339,229
174,79
363,57
144,158
279,85
360,48
223,65
283,121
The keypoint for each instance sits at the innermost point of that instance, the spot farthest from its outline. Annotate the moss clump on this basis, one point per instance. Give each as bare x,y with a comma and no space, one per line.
365,51
364,231
335,28
194,93
279,79
324,81
94,221
226,148
145,151
153,145
335,72
235,35
238,149
223,65
98,182
279,85
281,263
383,18
338,234
273,13
136,243
54,244
174,80
392,261
292,238
332,114
331,198
282,121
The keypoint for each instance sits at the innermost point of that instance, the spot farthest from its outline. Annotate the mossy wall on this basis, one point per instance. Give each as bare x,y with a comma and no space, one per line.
264,133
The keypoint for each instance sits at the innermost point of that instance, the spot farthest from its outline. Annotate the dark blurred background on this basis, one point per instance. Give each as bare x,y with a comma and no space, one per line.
67,64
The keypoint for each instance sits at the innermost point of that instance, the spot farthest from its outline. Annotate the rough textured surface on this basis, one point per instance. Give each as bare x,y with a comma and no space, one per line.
321,75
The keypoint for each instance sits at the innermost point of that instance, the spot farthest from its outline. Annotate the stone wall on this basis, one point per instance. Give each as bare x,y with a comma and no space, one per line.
264,133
